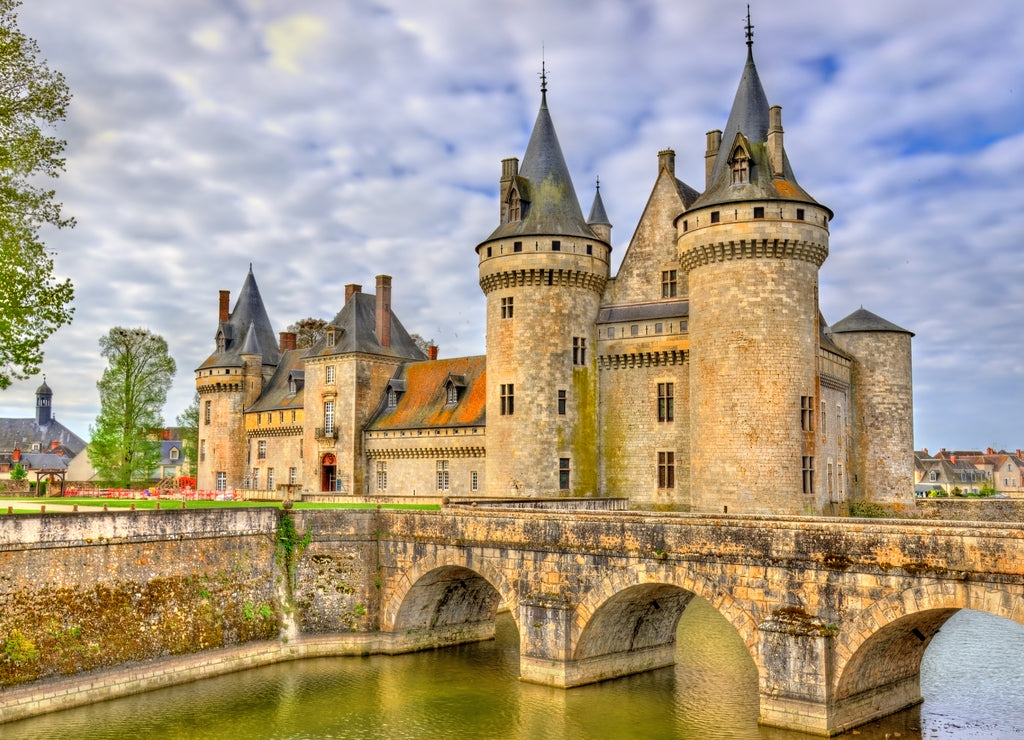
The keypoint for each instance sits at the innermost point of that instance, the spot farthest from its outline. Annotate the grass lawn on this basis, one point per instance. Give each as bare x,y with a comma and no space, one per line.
143,504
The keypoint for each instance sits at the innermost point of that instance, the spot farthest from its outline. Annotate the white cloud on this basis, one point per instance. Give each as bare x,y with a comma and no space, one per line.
328,142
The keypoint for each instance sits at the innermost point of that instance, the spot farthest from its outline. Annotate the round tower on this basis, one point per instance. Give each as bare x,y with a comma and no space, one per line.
751,246
543,271
882,424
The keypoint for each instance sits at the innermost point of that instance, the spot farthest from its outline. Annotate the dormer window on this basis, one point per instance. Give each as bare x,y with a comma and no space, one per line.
392,398
453,389
173,455
514,206
452,395
740,167
330,336
221,341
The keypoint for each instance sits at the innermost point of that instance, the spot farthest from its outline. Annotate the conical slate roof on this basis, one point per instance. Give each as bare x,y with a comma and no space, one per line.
249,317
549,202
863,320
748,123
597,213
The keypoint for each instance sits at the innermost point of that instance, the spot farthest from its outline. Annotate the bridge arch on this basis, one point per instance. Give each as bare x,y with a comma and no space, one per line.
883,646
446,589
641,607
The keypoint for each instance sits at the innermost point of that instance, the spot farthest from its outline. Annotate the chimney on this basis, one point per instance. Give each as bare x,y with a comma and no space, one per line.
776,156
509,172
924,452
383,312
714,144
952,459
432,351
990,451
286,340
667,161
225,305
351,289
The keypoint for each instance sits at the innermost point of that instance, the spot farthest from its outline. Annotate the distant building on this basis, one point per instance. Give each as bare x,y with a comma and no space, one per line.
701,376
970,471
38,443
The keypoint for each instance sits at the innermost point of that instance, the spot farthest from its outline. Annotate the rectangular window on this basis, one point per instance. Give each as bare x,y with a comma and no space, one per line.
556,246
442,475
666,402
293,417
330,373
474,481
758,211
807,413
202,450
222,480
561,402
261,450
830,482
270,479
563,474
280,417
807,470
666,469
506,307
255,478
328,418
824,413
799,214
668,284
517,246
579,351
508,397
292,476
206,412
259,420
590,249
839,480
382,476
715,217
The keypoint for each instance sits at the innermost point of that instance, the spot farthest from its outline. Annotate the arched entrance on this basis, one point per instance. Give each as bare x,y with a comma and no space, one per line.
328,472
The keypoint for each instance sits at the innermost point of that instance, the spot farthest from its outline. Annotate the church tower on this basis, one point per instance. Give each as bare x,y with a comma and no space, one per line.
542,271
751,246
44,404
228,382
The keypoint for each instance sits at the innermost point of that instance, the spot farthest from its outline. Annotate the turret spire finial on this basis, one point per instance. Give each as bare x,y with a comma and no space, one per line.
750,30
543,73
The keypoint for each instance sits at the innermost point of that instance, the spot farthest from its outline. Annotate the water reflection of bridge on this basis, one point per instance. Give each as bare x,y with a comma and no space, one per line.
836,614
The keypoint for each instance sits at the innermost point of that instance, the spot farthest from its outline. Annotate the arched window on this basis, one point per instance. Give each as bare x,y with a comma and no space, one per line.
515,208
740,166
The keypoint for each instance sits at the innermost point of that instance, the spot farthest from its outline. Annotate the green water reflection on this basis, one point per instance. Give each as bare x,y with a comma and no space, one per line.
472,692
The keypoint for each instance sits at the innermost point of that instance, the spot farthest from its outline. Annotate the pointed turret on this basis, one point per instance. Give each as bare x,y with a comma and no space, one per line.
598,218
248,316
748,161
538,198
44,404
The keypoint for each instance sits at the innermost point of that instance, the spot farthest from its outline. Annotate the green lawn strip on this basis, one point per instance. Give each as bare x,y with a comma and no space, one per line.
143,504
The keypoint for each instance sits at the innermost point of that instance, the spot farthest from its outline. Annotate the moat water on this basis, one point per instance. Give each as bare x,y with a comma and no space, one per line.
972,681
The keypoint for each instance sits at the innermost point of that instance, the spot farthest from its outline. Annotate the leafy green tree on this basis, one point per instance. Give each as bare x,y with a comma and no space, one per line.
125,443
188,421
19,473
33,98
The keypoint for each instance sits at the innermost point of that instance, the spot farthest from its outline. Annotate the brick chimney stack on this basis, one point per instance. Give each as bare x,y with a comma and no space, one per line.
432,351
383,312
287,340
225,305
351,289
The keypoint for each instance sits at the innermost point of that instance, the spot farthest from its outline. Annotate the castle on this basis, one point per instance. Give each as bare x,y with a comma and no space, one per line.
701,376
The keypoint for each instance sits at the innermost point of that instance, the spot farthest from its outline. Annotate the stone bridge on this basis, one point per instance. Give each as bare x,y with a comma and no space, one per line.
836,613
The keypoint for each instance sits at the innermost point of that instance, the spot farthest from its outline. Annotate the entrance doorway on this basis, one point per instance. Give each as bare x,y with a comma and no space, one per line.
328,472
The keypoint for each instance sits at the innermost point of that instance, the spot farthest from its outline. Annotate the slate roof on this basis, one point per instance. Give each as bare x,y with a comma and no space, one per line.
749,118
23,433
423,395
644,311
247,329
278,395
863,320
355,328
549,202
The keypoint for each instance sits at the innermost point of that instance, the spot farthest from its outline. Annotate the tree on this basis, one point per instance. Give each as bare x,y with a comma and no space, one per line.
125,443
308,331
33,303
19,473
188,421
422,343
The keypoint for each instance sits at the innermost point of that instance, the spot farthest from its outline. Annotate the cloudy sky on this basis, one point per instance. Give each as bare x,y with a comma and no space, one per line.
328,141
